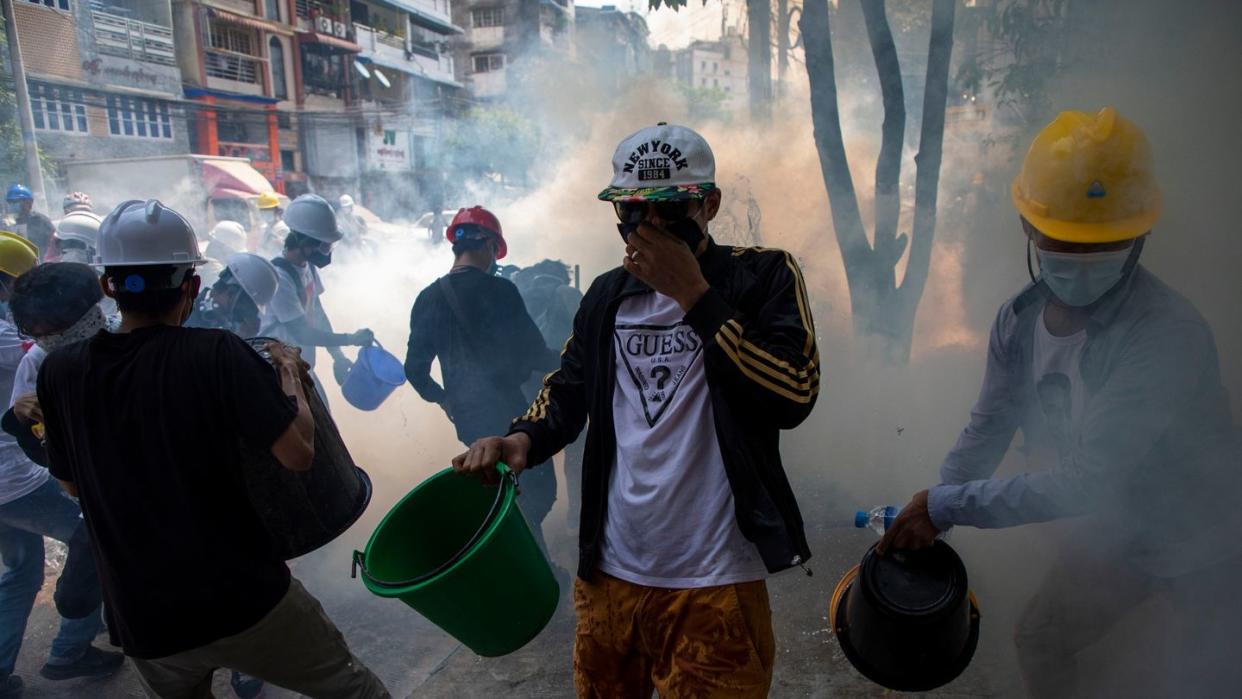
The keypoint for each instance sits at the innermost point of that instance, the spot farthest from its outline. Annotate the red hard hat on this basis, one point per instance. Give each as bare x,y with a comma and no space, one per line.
478,216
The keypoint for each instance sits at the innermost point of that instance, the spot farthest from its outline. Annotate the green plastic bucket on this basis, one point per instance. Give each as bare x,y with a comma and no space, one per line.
461,554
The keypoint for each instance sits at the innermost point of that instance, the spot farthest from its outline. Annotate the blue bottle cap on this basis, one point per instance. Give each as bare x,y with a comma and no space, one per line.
861,518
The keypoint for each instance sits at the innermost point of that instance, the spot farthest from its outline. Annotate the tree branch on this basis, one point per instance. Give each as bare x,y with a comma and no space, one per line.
888,164
931,149
759,59
826,117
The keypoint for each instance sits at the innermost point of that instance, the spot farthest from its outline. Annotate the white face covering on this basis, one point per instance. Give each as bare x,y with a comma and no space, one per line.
1080,279
87,326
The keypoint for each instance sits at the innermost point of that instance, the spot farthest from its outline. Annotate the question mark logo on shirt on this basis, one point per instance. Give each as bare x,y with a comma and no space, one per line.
661,374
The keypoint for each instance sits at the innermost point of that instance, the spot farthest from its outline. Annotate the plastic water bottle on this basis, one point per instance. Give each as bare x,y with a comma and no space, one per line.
878,520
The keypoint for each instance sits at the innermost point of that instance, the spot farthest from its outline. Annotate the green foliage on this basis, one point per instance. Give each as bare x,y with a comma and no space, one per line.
1024,55
492,141
705,103
12,156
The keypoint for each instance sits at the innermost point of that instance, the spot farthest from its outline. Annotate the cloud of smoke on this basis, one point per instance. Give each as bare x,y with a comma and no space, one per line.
879,432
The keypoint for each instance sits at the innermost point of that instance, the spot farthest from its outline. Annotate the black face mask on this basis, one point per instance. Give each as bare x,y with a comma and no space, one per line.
686,230
320,258
244,313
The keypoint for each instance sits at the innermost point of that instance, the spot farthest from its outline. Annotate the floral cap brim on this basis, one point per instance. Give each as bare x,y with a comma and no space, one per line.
672,193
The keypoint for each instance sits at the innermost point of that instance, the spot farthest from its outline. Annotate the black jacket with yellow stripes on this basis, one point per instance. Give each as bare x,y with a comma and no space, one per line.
762,372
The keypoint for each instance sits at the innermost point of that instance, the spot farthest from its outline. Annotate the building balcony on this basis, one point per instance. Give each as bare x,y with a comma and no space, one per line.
489,84
485,37
422,59
320,16
435,66
131,38
379,43
233,71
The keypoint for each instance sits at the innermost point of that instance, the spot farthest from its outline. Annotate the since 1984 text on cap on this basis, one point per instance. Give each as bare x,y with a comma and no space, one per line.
661,163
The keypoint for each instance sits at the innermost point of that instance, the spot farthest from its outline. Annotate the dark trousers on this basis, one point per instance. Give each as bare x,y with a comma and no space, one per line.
1088,592
47,511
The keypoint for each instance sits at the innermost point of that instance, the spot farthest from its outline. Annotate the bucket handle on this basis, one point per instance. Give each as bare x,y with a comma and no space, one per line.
359,558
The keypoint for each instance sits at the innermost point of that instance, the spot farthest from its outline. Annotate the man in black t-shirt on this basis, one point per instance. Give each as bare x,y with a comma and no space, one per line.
143,425
487,344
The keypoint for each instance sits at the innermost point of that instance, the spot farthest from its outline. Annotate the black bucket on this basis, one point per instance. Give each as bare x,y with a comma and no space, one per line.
303,511
907,621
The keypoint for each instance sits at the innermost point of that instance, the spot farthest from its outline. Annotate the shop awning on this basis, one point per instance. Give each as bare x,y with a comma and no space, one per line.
234,178
257,23
423,18
329,42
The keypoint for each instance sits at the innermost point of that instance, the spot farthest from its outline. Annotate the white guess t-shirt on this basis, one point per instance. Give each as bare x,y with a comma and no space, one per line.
1059,389
670,519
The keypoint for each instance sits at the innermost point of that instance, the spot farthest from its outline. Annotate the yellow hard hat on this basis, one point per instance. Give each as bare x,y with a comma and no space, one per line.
17,255
268,200
1088,178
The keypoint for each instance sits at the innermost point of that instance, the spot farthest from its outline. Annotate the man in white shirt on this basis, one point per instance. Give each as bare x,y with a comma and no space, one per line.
295,314
689,360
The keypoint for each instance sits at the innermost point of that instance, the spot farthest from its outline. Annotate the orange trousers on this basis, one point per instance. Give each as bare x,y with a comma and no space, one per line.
704,642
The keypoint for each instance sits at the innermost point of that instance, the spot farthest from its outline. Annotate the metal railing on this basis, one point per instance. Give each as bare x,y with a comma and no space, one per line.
231,66
370,37
131,38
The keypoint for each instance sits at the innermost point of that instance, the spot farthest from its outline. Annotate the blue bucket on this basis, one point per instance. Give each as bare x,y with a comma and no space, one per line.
373,378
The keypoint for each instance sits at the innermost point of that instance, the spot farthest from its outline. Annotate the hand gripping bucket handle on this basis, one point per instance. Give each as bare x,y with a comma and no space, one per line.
359,558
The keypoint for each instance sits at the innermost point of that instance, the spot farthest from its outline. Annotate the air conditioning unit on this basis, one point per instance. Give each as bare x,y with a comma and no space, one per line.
340,29
323,24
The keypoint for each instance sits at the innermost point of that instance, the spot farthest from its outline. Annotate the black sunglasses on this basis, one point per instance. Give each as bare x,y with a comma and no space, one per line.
633,212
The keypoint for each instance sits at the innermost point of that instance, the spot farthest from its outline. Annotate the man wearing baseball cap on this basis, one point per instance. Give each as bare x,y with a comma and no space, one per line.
688,360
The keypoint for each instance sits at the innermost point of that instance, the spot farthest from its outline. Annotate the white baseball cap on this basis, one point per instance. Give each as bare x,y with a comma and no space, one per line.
662,163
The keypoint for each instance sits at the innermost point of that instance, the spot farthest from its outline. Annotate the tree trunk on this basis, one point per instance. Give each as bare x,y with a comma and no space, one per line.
888,246
883,312
834,167
927,164
759,58
782,46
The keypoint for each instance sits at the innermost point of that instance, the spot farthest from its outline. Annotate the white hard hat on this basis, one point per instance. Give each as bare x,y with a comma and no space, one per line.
230,233
146,233
82,226
256,276
311,216
346,200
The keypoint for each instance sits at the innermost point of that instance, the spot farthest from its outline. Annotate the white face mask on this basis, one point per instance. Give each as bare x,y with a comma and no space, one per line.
86,327
1080,279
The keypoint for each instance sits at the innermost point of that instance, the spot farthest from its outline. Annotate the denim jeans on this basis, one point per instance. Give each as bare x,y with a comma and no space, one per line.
24,522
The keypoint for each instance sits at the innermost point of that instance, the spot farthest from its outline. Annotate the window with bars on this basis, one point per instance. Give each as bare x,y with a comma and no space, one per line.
138,118
58,108
54,4
489,62
487,17
230,38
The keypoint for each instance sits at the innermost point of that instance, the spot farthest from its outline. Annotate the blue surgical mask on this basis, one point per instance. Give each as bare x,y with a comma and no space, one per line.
1080,279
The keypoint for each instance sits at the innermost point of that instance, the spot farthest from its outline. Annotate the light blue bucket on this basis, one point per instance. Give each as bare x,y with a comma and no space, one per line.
373,378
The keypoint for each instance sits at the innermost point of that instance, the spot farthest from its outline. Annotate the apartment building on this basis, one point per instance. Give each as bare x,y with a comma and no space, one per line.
102,77
501,34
